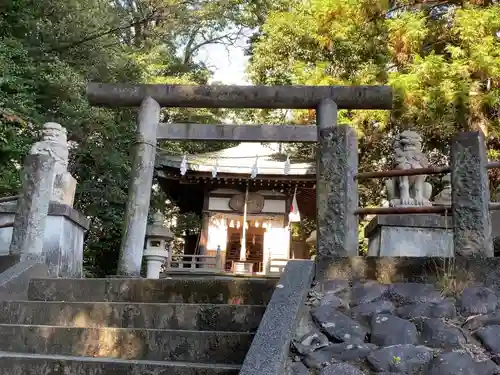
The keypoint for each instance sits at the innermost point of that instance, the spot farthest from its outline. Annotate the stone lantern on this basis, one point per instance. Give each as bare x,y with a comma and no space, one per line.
158,237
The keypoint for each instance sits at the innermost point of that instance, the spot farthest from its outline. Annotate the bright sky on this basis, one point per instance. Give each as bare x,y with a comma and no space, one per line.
227,63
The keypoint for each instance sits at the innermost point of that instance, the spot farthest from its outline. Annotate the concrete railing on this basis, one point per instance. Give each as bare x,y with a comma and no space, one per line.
194,263
276,266
214,264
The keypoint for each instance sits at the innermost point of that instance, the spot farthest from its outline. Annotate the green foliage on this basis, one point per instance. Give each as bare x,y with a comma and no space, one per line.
302,229
50,49
441,60
362,241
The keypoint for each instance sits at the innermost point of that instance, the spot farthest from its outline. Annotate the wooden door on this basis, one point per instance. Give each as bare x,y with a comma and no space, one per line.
233,246
255,247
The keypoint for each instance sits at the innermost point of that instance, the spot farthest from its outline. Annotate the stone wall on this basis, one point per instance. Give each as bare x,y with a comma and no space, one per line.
418,316
409,269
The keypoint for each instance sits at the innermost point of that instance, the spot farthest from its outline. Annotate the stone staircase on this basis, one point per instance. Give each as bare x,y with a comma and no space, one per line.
182,326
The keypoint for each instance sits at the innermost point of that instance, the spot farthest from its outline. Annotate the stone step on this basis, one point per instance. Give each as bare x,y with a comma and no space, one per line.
203,317
205,276
36,364
179,290
126,343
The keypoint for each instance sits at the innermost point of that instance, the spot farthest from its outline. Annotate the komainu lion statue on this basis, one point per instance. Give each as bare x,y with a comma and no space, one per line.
409,190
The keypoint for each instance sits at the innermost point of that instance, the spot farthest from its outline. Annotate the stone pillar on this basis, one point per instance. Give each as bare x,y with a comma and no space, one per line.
336,186
139,194
471,195
28,233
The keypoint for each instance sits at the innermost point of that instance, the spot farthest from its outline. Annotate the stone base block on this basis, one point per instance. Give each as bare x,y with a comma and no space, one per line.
63,240
418,235
242,267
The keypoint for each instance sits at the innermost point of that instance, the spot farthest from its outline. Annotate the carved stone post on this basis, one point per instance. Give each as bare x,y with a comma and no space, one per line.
337,191
139,194
471,195
28,233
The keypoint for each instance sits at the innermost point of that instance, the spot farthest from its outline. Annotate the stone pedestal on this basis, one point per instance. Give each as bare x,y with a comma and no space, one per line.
154,258
63,238
414,235
242,267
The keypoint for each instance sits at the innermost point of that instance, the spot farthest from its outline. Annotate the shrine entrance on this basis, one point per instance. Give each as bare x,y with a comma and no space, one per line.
336,145
254,245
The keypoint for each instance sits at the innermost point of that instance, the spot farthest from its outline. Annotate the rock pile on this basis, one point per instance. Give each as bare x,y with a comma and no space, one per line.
404,328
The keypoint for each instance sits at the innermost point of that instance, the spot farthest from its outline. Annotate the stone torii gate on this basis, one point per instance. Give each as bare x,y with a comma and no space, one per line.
337,160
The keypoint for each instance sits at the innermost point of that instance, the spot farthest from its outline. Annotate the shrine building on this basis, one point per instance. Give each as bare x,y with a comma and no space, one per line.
244,194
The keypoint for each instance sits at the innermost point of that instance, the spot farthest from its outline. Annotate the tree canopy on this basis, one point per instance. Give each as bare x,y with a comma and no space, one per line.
441,58
50,49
